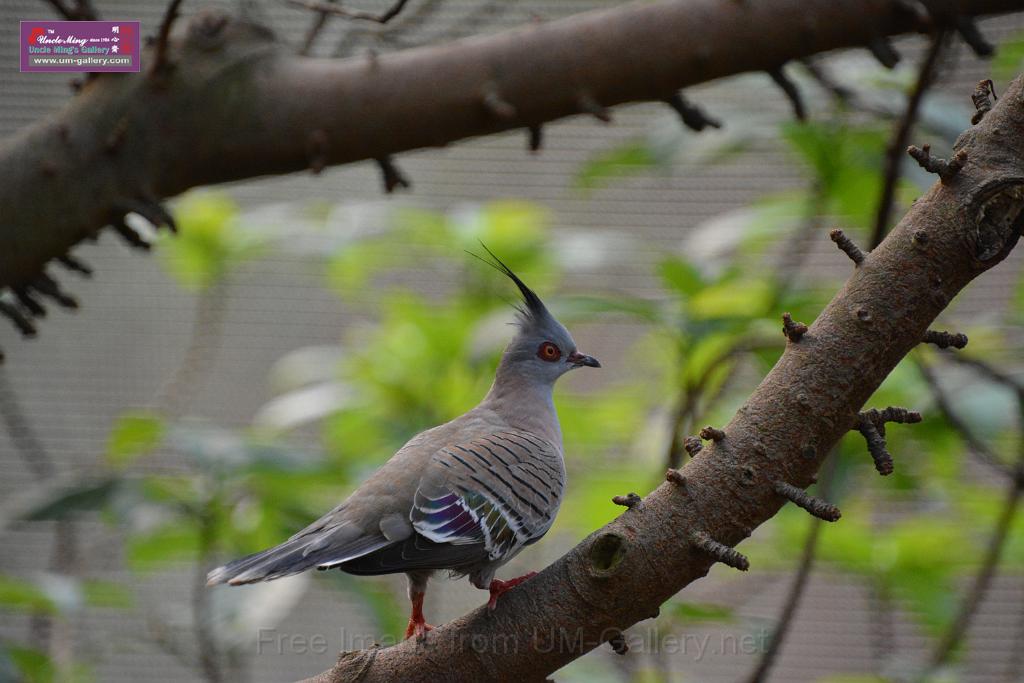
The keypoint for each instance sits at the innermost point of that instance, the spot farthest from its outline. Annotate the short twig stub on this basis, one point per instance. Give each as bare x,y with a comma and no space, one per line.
847,245
794,331
944,339
535,137
816,506
393,178
984,94
946,170
692,445
791,92
692,116
676,477
721,552
884,52
710,433
630,500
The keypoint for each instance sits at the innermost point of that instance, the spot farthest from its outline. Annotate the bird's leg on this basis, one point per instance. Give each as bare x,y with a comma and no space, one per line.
499,587
418,625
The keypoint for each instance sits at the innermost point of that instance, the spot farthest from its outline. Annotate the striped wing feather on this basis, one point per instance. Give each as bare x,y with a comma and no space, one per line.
498,492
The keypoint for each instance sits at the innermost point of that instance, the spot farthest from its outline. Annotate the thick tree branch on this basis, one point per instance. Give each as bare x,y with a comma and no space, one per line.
621,573
239,105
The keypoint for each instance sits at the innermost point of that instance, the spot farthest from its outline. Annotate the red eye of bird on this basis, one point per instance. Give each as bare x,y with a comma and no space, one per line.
549,352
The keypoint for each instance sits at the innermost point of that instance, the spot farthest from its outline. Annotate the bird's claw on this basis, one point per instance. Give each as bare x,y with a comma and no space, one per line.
418,629
499,588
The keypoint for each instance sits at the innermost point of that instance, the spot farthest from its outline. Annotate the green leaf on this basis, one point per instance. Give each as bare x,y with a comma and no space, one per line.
701,612
24,596
133,434
70,501
681,276
174,542
33,665
208,242
732,299
1009,59
621,161
107,594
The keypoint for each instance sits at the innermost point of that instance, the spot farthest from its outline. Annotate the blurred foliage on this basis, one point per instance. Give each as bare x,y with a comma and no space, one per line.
183,490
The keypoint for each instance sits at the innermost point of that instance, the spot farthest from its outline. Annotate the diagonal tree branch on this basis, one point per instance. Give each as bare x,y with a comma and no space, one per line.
622,572
237,104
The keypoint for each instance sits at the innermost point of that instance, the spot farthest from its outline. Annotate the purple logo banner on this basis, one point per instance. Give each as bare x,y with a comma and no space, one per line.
79,46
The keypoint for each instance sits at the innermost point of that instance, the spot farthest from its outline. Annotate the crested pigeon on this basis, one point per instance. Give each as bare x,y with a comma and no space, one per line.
465,496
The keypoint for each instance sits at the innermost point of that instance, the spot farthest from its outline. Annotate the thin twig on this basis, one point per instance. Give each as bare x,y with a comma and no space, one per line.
206,637
22,435
798,586
982,580
328,8
319,21
691,394
990,371
160,54
180,388
62,10
901,136
975,444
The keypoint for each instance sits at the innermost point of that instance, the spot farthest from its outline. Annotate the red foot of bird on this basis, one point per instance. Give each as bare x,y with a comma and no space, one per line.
418,629
499,588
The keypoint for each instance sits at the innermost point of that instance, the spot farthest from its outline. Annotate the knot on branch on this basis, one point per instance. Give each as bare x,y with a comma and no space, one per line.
944,339
710,433
791,92
606,553
676,477
815,506
630,500
693,117
794,331
692,445
721,552
392,177
946,170
984,94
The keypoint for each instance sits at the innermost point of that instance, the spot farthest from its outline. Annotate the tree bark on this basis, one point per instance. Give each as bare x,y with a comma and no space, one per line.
235,104
621,573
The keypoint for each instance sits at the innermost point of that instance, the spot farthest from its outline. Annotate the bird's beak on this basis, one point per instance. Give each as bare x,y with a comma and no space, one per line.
577,359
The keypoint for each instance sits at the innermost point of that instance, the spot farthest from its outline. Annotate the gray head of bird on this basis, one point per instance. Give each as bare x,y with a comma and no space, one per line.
542,349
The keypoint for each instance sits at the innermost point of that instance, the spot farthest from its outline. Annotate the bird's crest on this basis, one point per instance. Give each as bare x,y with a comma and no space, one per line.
532,311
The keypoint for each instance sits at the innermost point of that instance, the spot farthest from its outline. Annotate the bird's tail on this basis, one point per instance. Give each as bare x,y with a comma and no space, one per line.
295,555
282,560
